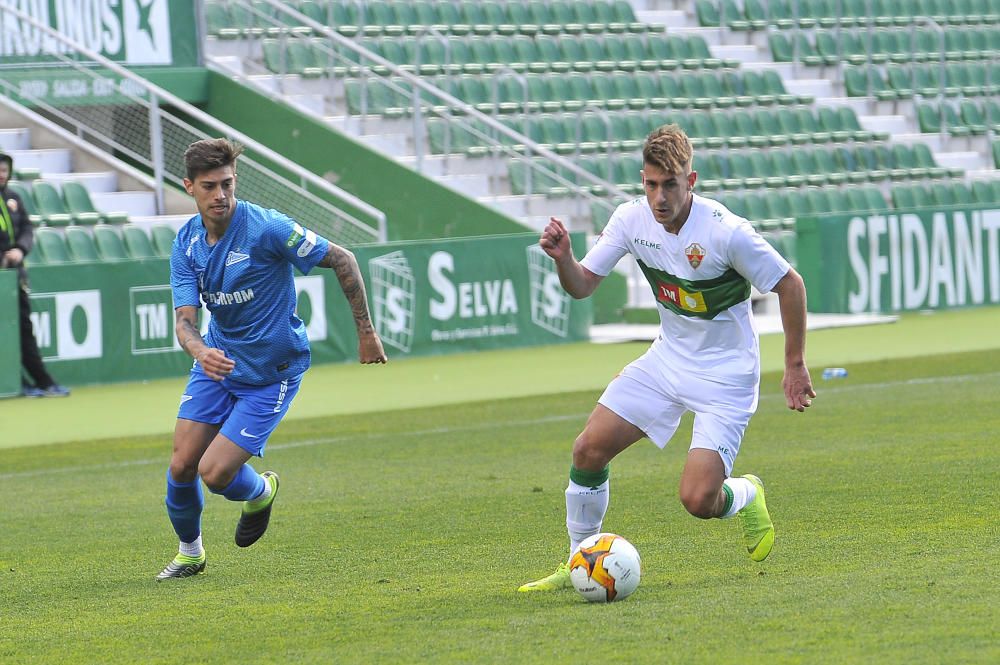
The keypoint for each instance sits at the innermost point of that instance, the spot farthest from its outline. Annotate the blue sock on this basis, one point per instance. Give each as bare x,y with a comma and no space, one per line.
184,505
247,485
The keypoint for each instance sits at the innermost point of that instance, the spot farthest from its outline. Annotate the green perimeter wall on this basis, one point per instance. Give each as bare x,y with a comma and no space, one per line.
111,321
10,335
901,260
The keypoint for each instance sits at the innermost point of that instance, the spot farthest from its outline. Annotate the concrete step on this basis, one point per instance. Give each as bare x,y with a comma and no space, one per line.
15,139
46,160
149,221
100,182
136,204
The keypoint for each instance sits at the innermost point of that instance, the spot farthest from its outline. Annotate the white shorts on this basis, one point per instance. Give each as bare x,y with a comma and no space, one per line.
651,397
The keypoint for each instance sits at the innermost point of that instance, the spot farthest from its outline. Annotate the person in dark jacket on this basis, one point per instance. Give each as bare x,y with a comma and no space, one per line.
16,240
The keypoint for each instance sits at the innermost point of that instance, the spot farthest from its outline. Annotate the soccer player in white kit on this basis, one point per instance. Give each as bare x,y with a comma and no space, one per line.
700,260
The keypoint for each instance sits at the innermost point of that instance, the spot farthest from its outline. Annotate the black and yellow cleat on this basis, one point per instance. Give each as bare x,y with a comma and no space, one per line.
254,519
183,566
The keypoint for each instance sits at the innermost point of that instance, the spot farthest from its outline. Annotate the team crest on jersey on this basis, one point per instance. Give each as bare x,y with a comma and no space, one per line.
236,257
12,205
695,254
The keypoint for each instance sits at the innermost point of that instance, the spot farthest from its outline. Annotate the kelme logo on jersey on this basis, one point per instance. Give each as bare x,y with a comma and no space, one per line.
687,300
695,254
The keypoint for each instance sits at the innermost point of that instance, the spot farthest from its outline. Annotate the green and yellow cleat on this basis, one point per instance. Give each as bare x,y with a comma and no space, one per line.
758,530
182,566
555,581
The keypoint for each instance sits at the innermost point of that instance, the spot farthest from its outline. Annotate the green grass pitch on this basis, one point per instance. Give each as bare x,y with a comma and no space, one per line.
401,536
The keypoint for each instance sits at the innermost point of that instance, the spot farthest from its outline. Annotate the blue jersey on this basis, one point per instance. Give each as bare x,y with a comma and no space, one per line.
247,283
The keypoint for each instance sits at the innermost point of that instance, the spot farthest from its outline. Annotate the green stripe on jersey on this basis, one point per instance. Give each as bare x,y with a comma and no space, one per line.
703,298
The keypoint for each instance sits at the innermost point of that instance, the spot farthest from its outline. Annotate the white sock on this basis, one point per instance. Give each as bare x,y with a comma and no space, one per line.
585,509
743,492
193,548
264,494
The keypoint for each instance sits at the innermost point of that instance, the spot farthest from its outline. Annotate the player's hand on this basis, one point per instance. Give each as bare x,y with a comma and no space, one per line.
214,363
798,388
370,349
555,239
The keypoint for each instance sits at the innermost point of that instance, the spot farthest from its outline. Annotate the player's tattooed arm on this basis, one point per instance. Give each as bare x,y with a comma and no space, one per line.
348,273
213,361
186,327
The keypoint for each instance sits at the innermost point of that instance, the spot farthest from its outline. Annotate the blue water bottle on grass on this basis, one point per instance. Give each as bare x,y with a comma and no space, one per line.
834,373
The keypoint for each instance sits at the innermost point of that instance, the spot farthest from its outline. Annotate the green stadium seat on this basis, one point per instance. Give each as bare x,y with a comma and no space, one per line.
903,196
51,244
243,20
162,237
380,18
78,202
109,243
137,242
971,116
904,159
943,194
983,193
80,244
963,195
50,204
218,22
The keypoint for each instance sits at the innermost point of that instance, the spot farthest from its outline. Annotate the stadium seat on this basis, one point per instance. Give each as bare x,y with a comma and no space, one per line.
137,242
50,205
80,244
80,205
163,239
51,245
109,243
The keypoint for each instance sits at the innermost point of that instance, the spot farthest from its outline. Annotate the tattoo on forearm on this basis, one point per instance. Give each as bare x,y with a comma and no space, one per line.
348,273
188,332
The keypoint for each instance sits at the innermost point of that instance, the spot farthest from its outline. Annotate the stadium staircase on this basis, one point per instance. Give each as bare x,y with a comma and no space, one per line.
77,203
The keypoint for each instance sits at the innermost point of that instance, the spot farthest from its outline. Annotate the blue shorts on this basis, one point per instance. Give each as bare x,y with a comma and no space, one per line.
248,413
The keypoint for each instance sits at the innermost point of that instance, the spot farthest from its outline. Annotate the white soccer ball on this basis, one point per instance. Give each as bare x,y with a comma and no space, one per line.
605,568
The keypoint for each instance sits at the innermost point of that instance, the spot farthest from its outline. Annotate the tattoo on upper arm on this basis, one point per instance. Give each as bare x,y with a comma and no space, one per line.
345,266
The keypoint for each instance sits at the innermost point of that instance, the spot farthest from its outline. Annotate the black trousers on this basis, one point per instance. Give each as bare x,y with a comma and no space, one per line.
31,359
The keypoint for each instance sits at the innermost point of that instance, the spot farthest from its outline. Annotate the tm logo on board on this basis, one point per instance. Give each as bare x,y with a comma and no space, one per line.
68,325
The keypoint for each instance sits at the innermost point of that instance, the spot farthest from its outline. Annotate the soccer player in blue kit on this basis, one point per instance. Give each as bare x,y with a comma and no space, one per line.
237,258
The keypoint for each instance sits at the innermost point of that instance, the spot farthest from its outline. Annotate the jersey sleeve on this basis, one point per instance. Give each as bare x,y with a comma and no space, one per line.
183,280
301,247
754,258
610,247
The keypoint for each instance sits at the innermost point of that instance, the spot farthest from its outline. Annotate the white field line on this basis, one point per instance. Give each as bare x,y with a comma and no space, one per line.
822,388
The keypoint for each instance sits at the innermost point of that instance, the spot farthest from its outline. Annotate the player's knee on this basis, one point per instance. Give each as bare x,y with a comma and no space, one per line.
587,456
215,477
699,502
183,471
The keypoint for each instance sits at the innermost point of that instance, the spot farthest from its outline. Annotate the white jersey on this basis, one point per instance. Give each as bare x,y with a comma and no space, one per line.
701,280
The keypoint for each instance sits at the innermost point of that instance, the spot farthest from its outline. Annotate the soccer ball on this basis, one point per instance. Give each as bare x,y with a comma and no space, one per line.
605,568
